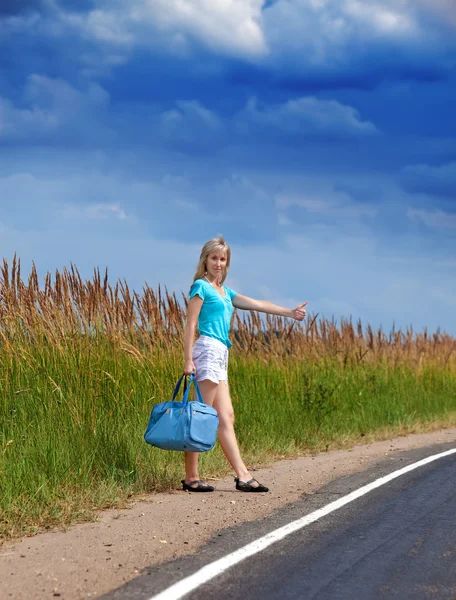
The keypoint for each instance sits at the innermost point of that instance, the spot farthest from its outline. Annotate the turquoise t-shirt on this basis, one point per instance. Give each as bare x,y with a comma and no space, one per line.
215,316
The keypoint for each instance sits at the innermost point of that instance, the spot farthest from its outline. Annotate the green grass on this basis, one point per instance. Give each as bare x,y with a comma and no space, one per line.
72,418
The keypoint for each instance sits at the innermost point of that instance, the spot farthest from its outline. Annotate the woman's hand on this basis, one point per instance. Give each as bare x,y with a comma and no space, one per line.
189,367
299,312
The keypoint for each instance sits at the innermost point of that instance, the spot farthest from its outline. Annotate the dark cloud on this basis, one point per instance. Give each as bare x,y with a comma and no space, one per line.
160,78
365,194
364,70
78,5
367,79
309,51
302,119
52,112
370,68
268,3
47,47
412,117
431,180
16,7
191,128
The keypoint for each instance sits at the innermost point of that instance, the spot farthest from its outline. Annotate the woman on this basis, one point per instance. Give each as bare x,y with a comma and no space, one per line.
211,306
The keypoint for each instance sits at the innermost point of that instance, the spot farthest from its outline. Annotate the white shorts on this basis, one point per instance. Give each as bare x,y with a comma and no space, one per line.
210,358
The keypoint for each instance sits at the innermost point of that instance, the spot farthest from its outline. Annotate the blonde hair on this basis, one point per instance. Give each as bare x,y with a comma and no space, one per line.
217,243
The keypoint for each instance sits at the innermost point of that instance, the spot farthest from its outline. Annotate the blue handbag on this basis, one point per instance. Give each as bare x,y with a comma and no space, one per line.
188,426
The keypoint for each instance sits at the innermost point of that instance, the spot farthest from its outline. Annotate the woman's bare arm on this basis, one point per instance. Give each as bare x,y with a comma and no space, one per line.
193,311
246,303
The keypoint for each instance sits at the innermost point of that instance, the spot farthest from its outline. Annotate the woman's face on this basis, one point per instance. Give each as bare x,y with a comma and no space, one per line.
216,263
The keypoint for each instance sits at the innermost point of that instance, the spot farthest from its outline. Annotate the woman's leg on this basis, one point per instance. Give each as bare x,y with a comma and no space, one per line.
208,391
227,437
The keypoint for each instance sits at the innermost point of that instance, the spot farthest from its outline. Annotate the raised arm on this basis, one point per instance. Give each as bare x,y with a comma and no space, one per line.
193,311
246,303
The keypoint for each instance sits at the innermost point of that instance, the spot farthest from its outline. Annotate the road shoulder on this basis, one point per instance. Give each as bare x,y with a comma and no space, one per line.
91,559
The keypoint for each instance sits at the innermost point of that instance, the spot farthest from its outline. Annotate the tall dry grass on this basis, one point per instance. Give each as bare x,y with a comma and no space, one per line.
67,305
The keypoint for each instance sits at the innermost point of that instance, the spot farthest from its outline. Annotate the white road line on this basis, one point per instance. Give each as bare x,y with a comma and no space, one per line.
187,585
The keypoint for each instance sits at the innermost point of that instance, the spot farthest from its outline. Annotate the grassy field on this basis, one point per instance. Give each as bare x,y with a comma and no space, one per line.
83,362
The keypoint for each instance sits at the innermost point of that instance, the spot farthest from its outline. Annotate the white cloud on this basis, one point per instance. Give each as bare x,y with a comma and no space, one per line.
190,125
194,109
228,26
307,33
232,26
53,106
94,211
436,219
359,273
283,219
21,187
102,25
300,36
60,95
335,207
14,24
317,198
307,36
305,116
444,9
24,122
392,19
88,197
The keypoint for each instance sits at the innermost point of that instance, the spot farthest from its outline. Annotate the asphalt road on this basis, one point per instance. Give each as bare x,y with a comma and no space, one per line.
398,541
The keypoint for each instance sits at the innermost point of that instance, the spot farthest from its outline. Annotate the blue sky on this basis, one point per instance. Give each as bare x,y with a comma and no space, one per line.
317,135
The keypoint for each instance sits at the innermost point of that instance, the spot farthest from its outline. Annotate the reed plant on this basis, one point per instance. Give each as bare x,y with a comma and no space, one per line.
83,361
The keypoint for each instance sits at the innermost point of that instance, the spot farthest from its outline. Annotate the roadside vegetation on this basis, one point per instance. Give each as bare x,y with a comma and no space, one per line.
83,362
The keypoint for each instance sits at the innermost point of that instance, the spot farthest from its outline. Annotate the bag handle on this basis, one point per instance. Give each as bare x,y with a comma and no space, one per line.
178,384
187,389
198,393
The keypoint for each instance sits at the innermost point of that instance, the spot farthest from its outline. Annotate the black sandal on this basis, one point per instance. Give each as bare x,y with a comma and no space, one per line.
201,487
246,486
